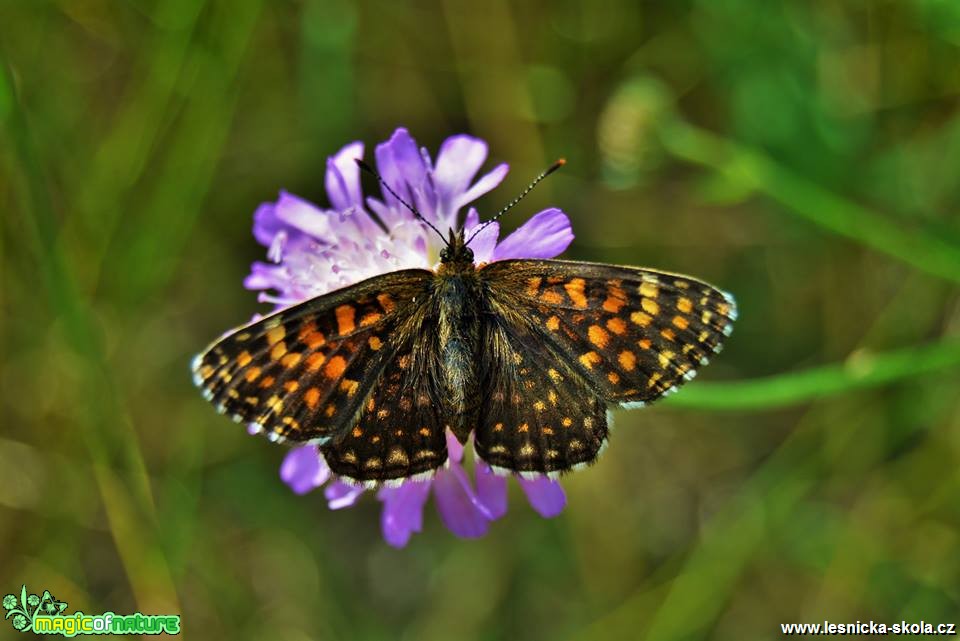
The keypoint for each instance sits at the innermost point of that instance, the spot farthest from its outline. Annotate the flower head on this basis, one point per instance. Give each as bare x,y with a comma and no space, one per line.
20,622
33,600
9,602
313,251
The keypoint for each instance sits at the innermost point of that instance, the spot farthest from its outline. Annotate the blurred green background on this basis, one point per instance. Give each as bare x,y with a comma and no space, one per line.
803,155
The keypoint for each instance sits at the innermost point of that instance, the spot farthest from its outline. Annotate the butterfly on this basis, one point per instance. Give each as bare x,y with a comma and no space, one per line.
526,355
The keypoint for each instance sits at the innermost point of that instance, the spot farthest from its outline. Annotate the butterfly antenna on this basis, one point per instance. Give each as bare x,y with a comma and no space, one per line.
536,181
370,170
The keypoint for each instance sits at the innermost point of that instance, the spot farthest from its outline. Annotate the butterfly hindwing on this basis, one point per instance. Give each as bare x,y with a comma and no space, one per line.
400,431
538,413
634,334
302,373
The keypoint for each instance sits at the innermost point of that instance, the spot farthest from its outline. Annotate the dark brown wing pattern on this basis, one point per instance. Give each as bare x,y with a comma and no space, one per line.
401,431
303,373
584,335
537,413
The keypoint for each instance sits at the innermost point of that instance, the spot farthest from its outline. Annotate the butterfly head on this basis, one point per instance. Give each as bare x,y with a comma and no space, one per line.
456,253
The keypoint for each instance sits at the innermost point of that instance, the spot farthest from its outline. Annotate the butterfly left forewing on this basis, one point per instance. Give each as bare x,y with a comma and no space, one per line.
301,374
634,334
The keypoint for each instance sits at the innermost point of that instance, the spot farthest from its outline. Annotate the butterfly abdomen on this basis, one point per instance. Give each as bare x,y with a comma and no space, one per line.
458,343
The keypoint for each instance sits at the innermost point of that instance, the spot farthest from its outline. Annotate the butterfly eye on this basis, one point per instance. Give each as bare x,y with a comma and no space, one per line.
469,254
444,255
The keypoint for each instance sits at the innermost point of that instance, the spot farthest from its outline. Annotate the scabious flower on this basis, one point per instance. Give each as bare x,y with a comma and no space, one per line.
313,251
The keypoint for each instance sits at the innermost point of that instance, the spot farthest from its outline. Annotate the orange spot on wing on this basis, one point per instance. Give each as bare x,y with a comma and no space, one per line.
551,297
617,326
533,285
290,360
267,381
278,350
244,358
590,359
598,336
311,397
370,319
335,367
649,290
252,374
315,360
275,334
616,298
575,290
345,319
627,360
685,305
386,302
553,323
310,336
640,318
650,306
375,343
680,322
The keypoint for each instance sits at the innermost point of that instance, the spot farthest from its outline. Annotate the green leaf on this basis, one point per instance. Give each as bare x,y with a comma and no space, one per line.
860,371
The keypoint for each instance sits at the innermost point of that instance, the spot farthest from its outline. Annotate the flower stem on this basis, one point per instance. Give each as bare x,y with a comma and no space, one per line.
862,370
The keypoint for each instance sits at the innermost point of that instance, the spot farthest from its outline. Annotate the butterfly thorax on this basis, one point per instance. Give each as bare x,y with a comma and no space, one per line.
457,295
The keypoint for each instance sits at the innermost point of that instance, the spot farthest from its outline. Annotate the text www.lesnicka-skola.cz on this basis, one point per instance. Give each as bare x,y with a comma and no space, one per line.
869,627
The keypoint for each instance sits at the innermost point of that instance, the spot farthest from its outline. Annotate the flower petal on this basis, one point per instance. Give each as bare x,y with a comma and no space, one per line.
485,242
402,513
545,495
340,495
303,216
491,490
401,166
454,448
303,469
342,179
543,236
265,224
486,183
460,509
458,161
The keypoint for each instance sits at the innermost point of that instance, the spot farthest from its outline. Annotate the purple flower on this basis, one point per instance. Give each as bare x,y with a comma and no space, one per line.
313,251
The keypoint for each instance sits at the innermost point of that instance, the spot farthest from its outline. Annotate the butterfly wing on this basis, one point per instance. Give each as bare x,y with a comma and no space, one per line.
537,414
634,334
302,373
400,431
586,335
